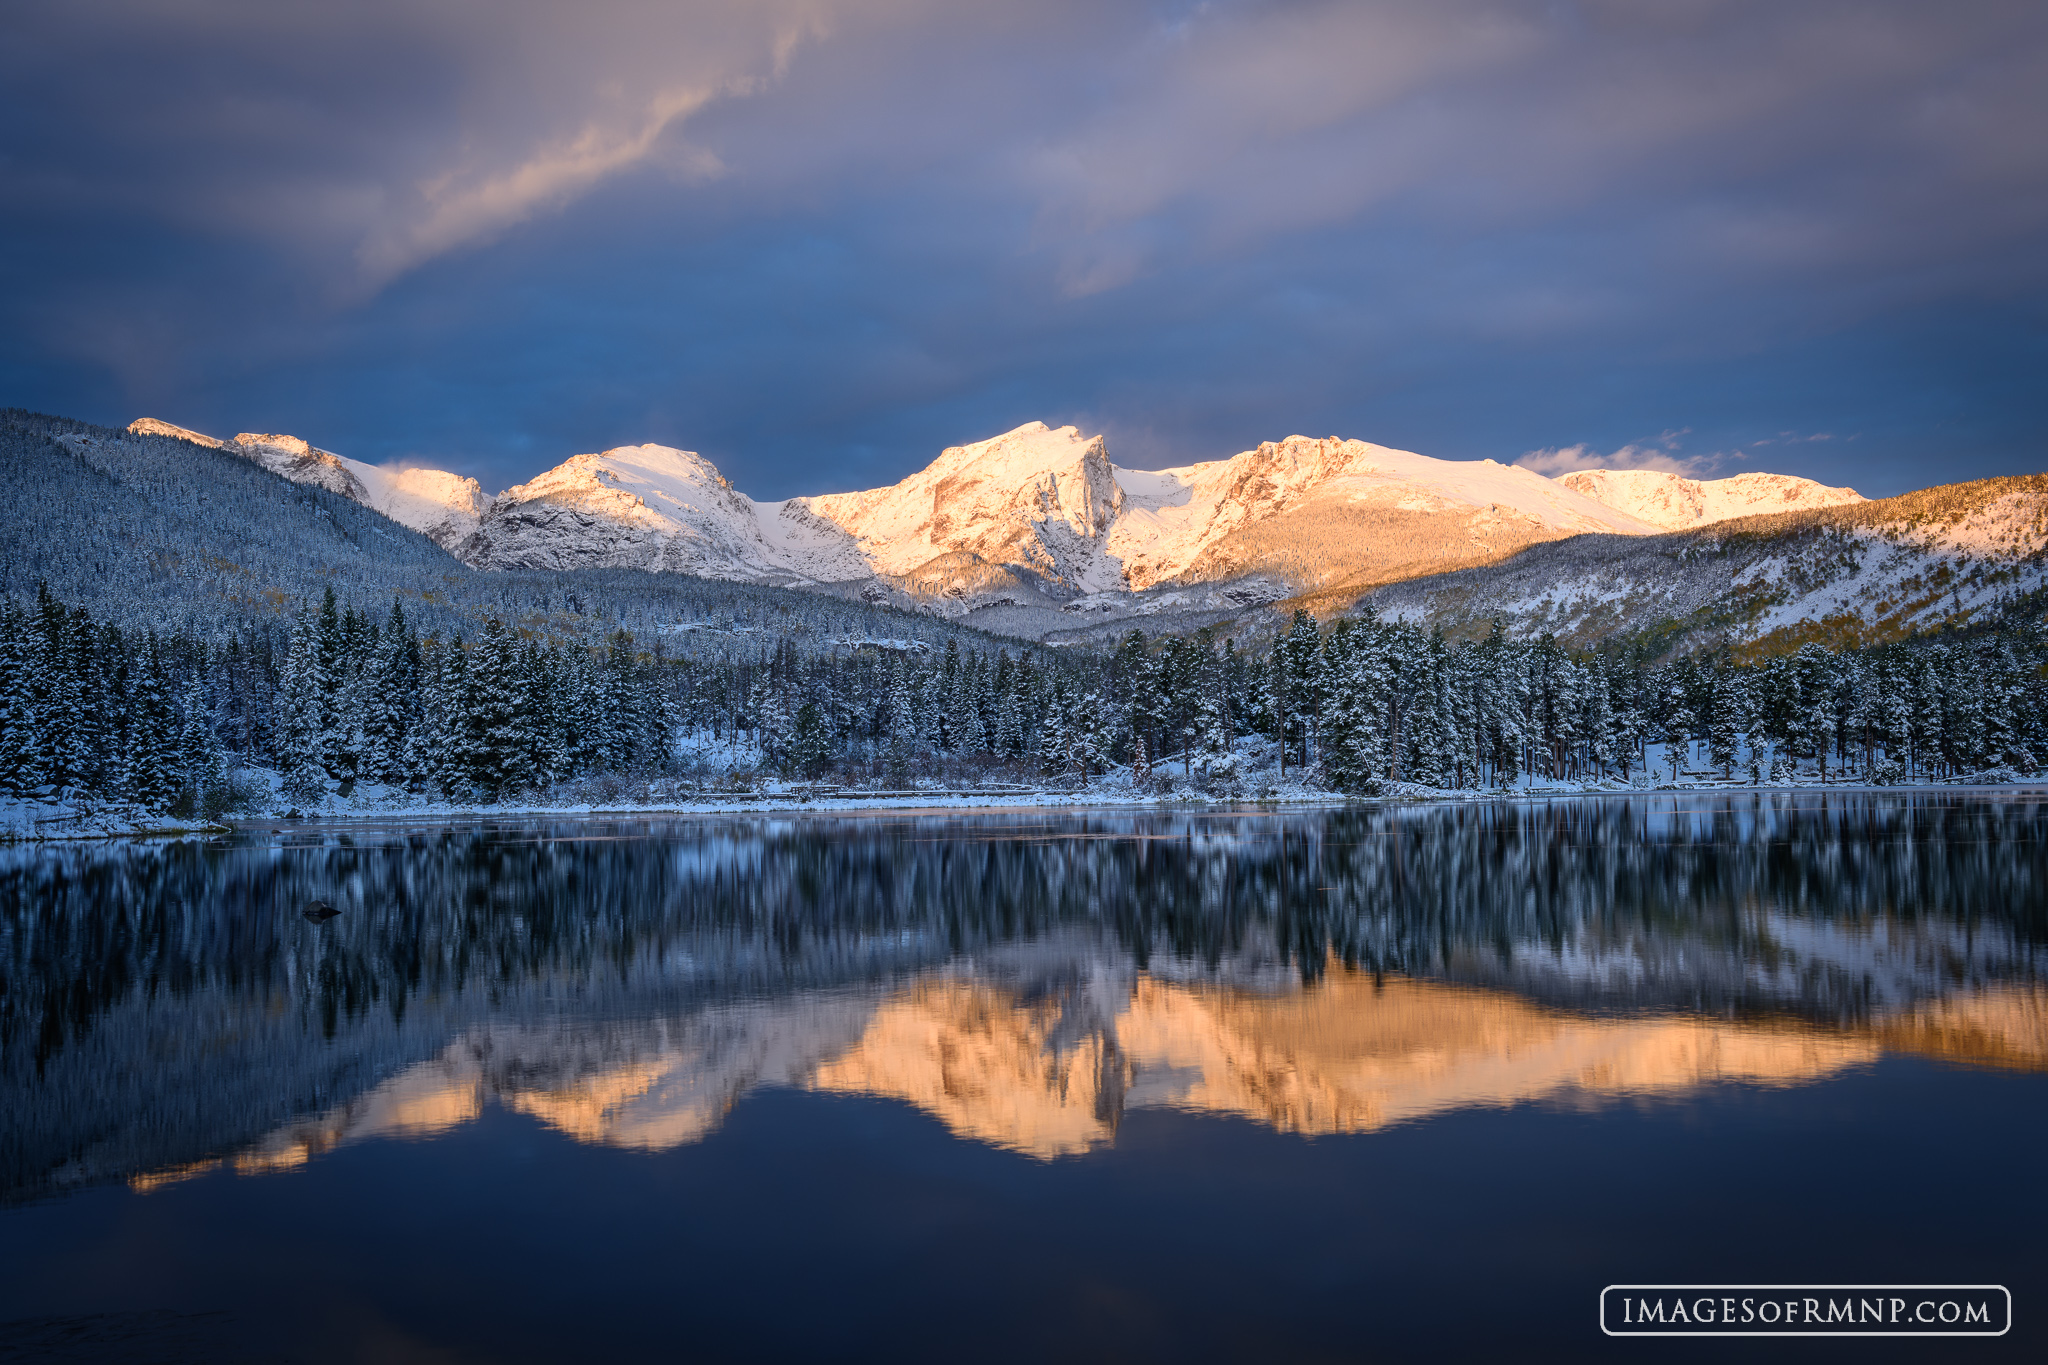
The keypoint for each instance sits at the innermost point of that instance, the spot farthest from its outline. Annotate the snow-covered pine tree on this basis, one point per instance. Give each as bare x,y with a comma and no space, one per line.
1728,720
810,743
1087,737
1433,741
1355,681
152,748
301,757
1926,710
1895,718
902,702
198,750
20,741
1052,730
1300,648
930,686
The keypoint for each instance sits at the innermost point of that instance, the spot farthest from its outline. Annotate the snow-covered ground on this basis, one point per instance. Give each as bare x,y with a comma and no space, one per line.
736,784
31,820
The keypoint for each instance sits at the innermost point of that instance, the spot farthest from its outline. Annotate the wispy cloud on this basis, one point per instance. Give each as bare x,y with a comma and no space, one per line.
612,123
458,208
1558,460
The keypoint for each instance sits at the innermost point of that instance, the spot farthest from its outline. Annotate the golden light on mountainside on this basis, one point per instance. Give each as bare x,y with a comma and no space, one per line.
2005,1026
1350,1056
981,1063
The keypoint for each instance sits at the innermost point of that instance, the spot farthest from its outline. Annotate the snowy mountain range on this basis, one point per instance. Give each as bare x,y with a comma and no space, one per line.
1037,526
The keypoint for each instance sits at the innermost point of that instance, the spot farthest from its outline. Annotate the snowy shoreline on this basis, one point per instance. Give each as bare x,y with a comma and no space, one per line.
770,804
33,821
48,822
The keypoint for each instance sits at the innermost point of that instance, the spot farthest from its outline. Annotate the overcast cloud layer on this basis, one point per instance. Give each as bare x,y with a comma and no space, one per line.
817,240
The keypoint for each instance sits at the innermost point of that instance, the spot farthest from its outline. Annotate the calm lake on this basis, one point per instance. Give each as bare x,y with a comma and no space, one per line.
1355,1084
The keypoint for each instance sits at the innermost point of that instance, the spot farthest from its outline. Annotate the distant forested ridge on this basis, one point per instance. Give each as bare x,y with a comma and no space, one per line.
1859,574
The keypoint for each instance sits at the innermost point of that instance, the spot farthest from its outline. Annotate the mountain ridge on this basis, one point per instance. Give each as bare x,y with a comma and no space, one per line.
1673,502
1029,529
444,507
1856,574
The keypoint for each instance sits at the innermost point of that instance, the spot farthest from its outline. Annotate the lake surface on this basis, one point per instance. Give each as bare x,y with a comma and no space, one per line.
1341,1085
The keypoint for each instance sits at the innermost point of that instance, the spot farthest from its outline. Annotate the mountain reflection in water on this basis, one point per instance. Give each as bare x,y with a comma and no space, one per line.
1025,979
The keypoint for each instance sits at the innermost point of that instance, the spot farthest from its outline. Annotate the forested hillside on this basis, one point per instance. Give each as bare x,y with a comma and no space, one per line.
1860,574
147,531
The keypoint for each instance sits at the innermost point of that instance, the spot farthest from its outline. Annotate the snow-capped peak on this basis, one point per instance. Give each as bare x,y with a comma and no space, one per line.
643,507
663,473
1037,497
1672,502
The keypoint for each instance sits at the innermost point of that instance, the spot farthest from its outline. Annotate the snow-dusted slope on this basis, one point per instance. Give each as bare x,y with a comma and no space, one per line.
151,426
1861,572
632,507
1181,522
1672,502
444,507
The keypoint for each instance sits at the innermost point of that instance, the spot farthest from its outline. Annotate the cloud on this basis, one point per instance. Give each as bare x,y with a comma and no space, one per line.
804,233
482,197
457,209
1566,459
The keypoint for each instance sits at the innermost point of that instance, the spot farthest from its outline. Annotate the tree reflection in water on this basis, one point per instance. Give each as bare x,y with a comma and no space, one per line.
1026,977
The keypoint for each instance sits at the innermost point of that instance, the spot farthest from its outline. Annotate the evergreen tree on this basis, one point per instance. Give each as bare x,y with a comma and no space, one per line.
152,754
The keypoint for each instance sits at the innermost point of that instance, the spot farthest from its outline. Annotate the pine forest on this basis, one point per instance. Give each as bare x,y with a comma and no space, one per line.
344,701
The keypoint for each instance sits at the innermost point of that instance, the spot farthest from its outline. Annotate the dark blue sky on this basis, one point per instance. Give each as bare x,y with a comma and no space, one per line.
818,241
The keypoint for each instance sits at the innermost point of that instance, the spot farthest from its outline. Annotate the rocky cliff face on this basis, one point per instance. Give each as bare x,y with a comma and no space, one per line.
1036,499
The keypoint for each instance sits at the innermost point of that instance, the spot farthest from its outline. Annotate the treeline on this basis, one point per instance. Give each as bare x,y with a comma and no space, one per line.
167,721
343,698
1370,700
